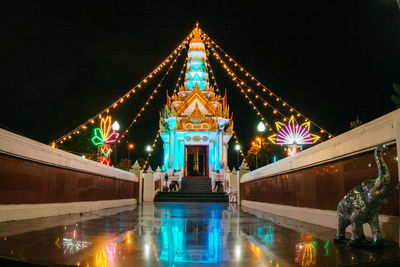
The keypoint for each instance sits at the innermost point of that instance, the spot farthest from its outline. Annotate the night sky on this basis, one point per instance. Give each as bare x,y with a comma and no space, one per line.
61,62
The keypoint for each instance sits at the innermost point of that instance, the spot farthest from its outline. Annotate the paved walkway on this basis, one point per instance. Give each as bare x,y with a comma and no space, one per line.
178,234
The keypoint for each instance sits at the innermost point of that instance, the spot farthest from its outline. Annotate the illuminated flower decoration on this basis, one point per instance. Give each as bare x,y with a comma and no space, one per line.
105,136
107,133
293,133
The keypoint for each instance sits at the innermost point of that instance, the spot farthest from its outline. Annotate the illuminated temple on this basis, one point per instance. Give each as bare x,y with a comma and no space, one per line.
195,123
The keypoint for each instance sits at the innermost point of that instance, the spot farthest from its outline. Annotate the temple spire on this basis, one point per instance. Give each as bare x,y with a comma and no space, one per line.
196,70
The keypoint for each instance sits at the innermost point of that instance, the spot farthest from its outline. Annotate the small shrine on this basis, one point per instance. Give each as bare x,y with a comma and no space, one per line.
195,123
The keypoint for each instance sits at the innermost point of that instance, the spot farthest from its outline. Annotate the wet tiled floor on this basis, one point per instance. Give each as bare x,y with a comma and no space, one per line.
180,234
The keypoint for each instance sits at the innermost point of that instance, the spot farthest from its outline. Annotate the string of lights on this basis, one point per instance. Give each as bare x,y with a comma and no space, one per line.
132,91
151,97
240,84
240,150
234,134
180,76
146,163
213,78
249,90
265,89
158,132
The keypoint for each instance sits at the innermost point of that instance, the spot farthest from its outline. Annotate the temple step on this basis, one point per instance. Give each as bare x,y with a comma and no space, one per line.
192,190
190,197
196,185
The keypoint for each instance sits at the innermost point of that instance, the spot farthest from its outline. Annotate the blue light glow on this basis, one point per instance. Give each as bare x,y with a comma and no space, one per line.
177,244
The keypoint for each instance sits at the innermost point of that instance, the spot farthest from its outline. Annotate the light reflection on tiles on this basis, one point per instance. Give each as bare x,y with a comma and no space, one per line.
177,234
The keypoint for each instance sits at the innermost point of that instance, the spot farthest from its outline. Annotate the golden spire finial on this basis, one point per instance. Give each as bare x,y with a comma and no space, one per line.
197,33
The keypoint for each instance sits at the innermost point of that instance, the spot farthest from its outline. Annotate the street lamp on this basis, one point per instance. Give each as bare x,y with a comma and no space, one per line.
261,127
130,147
148,149
115,126
237,148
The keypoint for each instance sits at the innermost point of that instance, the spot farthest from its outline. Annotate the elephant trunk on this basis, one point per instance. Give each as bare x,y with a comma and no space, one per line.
383,171
382,183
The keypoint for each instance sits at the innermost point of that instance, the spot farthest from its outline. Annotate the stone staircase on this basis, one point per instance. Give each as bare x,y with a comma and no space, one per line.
192,190
196,185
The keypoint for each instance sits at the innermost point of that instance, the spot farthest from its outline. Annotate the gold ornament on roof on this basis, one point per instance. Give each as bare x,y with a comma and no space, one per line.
196,35
197,121
196,117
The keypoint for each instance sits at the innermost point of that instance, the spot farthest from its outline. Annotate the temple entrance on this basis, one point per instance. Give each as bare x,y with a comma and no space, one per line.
196,161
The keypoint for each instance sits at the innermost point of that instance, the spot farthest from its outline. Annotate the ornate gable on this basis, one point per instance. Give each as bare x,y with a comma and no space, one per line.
197,121
196,97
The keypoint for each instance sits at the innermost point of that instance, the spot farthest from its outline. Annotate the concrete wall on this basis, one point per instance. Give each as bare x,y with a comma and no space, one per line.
359,141
37,180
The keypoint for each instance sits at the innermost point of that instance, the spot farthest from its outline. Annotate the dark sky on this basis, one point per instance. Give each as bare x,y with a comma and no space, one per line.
61,62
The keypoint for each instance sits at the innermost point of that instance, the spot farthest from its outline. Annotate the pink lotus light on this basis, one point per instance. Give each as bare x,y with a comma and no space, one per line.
112,137
294,134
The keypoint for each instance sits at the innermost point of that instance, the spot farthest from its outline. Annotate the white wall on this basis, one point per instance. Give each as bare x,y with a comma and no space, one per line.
383,130
25,148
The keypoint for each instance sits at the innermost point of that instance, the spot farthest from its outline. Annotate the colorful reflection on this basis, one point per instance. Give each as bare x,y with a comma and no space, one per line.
105,255
255,250
188,242
326,247
71,244
306,251
266,234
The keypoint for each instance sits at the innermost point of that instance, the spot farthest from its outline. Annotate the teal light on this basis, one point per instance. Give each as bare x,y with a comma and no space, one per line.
196,72
98,137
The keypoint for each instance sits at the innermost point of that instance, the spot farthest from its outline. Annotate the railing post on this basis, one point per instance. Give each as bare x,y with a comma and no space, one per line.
242,171
227,177
148,183
135,169
159,174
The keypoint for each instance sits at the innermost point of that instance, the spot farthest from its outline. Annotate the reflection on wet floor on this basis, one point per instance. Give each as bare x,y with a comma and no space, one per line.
179,234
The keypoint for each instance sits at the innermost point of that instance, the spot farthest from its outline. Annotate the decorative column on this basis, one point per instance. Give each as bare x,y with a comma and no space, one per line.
159,176
242,171
225,154
211,155
148,183
227,177
135,169
219,153
181,155
167,159
172,147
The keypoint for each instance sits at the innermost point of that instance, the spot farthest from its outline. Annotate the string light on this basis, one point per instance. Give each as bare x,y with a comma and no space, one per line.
131,91
146,163
275,111
239,83
155,91
258,83
240,150
180,75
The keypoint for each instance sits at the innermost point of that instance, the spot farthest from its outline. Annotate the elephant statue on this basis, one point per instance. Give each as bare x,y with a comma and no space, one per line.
363,204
